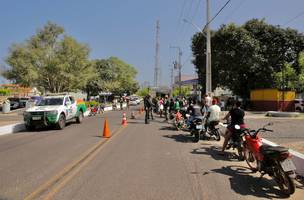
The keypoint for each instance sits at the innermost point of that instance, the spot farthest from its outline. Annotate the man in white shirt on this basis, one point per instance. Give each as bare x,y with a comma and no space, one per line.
208,100
213,115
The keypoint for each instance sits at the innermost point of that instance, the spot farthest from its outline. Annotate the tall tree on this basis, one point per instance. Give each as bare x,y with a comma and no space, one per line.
50,60
246,57
113,75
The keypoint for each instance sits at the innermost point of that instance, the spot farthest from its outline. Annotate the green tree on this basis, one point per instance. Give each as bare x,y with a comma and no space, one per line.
185,91
286,79
143,92
50,60
246,57
113,75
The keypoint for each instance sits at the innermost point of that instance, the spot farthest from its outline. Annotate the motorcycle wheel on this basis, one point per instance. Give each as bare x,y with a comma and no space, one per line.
217,134
177,126
240,153
286,184
250,159
196,137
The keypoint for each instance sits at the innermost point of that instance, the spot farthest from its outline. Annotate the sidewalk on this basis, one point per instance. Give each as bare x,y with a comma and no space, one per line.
13,117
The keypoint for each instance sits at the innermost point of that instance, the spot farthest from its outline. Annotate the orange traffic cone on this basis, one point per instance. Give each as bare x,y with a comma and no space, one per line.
106,130
124,119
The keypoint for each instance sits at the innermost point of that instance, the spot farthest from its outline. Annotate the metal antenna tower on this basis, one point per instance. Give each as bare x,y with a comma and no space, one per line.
157,64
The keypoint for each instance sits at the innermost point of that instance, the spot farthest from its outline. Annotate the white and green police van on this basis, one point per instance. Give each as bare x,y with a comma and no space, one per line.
54,111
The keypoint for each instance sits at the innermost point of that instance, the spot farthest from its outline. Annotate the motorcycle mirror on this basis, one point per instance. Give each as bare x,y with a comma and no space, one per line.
237,127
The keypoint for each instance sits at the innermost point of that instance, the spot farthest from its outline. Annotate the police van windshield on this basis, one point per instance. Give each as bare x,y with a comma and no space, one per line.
51,102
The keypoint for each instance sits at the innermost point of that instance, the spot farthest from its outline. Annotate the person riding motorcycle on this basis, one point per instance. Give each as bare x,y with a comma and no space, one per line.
213,115
195,110
237,118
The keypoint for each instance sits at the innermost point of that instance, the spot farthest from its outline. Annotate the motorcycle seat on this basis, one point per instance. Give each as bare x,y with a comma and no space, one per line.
266,149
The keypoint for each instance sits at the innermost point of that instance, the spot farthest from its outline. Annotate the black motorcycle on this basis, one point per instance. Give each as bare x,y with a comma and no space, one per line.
236,142
197,127
212,132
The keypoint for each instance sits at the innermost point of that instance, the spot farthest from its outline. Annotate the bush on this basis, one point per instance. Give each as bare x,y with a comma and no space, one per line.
5,92
143,92
91,103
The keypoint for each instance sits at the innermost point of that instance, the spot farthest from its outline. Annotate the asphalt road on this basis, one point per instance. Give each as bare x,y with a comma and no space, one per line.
138,162
30,158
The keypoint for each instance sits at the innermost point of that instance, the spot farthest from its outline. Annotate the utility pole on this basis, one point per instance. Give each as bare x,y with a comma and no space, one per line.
172,76
157,65
178,65
180,71
208,52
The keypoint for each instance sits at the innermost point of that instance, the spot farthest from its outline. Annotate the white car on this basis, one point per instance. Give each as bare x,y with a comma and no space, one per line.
133,102
299,105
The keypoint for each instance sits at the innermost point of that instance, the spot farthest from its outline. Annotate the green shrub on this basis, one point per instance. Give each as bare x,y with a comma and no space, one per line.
91,103
5,92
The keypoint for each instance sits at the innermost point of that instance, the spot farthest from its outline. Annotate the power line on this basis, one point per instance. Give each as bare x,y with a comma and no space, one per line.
217,13
294,18
232,13
183,32
181,14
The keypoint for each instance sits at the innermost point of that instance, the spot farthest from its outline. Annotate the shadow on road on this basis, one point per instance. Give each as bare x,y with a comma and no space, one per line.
214,152
180,138
245,184
168,128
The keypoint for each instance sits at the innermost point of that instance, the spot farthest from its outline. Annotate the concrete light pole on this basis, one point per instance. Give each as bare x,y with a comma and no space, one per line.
178,65
208,53
206,33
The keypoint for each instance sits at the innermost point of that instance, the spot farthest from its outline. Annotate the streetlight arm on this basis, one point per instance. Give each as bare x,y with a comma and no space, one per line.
198,28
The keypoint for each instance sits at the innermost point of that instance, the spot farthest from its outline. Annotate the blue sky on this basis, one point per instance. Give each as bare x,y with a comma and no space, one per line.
126,28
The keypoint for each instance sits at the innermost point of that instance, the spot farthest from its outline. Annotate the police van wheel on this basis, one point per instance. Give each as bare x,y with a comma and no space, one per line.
61,122
80,117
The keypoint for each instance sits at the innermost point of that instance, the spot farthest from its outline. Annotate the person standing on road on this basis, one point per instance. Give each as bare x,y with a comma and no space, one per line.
161,107
148,108
128,102
166,107
176,105
121,103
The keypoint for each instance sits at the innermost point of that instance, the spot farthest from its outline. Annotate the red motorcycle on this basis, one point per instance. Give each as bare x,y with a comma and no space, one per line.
272,160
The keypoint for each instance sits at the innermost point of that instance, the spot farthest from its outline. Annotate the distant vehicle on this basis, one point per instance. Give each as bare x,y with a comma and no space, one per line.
133,102
54,111
14,102
23,101
299,105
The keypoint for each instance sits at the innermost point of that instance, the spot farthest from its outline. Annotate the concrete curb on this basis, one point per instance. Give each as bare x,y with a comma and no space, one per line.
282,114
297,158
17,127
12,128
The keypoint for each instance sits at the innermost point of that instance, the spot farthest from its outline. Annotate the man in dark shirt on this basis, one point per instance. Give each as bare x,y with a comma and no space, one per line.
166,107
148,107
237,118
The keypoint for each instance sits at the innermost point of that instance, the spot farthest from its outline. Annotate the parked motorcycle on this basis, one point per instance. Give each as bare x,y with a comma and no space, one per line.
93,111
274,161
179,121
236,140
197,127
212,132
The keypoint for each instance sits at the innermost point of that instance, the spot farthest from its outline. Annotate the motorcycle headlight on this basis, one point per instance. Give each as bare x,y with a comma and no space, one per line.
53,112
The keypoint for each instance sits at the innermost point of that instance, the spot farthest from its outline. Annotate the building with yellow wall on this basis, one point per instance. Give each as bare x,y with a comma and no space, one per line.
272,100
